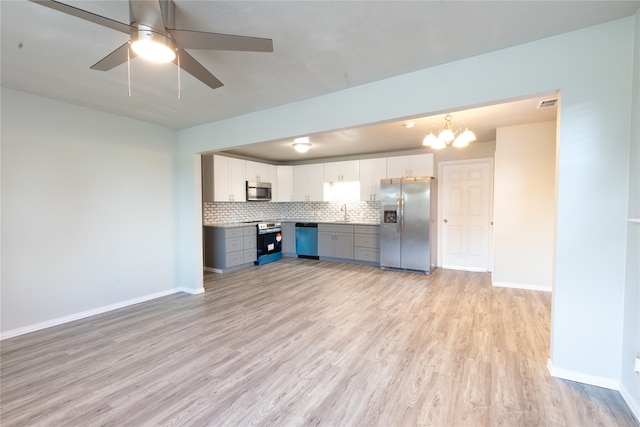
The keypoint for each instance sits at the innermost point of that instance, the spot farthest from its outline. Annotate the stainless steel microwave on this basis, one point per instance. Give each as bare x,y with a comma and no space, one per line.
258,191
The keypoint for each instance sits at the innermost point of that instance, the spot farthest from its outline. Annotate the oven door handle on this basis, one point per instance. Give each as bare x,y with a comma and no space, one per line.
270,231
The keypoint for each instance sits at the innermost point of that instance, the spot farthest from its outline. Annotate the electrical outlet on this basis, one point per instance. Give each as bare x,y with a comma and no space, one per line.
637,366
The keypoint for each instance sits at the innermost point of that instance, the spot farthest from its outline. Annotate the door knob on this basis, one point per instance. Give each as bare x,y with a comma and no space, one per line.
446,220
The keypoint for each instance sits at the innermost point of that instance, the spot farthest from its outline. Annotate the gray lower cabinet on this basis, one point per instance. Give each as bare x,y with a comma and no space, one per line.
289,238
367,243
335,241
228,247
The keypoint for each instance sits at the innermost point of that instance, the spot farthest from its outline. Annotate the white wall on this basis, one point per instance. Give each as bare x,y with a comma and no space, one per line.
524,206
631,333
596,102
480,150
89,214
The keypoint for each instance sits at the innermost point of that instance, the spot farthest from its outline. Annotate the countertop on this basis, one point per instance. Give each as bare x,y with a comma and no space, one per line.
253,223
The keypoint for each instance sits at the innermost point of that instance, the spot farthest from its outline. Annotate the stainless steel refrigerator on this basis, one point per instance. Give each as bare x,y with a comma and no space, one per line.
406,226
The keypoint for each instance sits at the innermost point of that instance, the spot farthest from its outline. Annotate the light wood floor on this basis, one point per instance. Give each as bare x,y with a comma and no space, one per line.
303,342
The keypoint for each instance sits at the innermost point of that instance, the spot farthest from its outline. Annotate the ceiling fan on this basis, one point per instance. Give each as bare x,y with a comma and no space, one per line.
152,33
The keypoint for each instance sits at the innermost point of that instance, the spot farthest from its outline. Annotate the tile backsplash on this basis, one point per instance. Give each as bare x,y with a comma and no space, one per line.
224,212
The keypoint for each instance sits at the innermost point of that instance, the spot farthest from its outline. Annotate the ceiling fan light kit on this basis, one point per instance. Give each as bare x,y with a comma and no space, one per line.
449,133
152,46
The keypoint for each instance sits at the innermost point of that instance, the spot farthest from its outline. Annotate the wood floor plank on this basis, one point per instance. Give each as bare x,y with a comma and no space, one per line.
305,342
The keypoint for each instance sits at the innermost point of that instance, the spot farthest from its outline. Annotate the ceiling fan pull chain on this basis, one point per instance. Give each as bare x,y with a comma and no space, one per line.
129,67
179,94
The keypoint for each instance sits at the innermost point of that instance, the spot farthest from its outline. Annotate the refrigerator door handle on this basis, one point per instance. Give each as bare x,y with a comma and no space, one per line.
398,215
402,209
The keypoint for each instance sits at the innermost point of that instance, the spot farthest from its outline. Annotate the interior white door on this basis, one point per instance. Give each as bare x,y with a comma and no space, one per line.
465,214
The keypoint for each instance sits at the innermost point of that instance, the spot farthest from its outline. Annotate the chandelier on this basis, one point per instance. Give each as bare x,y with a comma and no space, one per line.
460,137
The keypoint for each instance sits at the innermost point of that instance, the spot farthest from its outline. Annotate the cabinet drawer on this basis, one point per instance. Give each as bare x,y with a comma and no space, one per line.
234,258
250,255
367,229
335,228
251,242
372,255
233,232
250,231
367,241
234,244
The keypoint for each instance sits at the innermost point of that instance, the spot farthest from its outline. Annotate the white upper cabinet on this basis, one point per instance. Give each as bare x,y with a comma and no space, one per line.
410,166
307,183
342,171
371,172
272,177
260,172
284,191
224,177
228,179
256,172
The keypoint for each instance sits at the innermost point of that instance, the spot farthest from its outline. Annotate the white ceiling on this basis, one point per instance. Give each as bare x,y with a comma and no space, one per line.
319,47
395,136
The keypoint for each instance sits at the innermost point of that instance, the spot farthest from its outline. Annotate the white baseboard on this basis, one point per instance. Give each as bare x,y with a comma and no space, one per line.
634,403
521,286
197,291
77,316
565,374
455,267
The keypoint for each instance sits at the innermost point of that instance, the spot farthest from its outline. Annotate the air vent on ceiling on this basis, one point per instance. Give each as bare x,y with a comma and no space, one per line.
547,103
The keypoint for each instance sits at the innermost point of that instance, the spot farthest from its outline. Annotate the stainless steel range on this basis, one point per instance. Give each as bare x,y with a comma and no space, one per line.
269,242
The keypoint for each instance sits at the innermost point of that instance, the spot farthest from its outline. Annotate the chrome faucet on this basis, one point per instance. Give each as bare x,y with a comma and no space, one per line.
344,209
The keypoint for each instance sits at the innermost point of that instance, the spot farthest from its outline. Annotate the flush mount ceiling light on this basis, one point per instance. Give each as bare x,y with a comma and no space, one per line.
302,144
450,132
152,45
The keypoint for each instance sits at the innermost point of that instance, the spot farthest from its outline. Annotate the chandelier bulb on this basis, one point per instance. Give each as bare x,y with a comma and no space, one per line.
429,140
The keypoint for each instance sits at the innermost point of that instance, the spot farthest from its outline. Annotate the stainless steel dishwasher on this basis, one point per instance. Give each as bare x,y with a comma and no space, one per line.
307,240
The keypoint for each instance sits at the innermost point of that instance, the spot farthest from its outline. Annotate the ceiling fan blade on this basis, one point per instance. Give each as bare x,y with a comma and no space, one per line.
83,14
193,67
202,40
148,13
115,58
